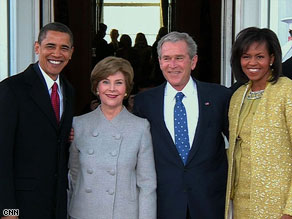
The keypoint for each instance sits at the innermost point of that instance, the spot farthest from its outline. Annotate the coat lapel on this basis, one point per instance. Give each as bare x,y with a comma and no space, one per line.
40,95
205,104
158,115
67,99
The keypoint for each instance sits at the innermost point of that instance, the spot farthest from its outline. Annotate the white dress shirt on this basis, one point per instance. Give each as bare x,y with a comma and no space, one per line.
49,83
191,104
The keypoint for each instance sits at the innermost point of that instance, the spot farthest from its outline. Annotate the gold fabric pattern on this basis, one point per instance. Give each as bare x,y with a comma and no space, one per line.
241,198
270,150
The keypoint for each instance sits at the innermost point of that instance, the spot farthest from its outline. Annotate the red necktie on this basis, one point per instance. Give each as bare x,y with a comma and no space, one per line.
55,101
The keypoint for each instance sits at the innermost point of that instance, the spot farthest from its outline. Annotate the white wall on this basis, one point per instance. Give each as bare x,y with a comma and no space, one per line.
24,25
250,13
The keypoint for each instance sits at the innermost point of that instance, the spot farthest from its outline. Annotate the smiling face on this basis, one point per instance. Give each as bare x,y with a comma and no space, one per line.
255,63
112,91
54,52
176,63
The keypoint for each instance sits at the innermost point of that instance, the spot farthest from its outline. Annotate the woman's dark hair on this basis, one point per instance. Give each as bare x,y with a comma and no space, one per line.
244,40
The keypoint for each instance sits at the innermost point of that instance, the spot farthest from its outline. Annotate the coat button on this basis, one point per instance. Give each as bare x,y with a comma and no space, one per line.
89,171
95,133
90,151
110,191
114,153
88,190
117,136
112,172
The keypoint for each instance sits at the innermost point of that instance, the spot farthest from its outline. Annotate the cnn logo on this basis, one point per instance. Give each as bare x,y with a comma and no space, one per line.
10,212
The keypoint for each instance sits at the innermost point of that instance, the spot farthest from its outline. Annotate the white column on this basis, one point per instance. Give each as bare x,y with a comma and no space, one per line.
226,42
3,40
24,26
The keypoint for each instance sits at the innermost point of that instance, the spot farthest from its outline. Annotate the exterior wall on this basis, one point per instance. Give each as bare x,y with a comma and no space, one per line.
21,25
23,29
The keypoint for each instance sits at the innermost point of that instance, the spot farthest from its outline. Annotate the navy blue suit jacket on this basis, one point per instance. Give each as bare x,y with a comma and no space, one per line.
201,183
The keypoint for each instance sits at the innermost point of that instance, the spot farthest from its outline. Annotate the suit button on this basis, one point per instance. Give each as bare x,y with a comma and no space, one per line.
88,190
112,172
117,136
90,151
110,191
89,171
95,133
114,153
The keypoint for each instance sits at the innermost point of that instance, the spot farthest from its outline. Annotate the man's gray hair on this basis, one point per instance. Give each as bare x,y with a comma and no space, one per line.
175,37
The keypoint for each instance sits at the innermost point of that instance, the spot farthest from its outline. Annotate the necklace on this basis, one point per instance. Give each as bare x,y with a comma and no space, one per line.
253,95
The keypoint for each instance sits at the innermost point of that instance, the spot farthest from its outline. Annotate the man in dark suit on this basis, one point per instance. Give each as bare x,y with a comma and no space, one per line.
34,134
287,68
191,175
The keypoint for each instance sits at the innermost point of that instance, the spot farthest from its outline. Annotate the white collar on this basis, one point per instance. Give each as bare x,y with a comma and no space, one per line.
188,90
50,81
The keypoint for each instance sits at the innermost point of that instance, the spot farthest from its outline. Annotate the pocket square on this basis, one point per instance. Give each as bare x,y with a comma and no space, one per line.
207,103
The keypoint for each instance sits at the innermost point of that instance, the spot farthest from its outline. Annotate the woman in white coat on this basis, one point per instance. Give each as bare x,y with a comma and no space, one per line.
111,157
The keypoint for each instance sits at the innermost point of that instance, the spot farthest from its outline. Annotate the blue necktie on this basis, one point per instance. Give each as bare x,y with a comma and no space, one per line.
181,128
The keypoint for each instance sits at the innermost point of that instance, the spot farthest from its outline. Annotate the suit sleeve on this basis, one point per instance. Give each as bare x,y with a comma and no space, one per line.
226,109
8,127
146,177
138,106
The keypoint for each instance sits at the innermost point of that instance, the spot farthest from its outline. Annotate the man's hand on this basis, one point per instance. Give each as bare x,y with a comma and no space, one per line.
71,136
285,216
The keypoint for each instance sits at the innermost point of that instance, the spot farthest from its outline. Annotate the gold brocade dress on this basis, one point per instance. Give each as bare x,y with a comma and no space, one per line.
241,186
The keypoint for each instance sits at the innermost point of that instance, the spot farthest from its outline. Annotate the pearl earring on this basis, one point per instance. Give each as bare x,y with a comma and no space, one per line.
97,92
126,94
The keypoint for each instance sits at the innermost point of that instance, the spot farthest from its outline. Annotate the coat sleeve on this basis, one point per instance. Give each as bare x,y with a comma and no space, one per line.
138,100
288,116
74,164
226,109
146,177
8,127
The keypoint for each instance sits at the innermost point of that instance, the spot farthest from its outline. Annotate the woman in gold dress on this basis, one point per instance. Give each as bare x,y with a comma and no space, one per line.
260,116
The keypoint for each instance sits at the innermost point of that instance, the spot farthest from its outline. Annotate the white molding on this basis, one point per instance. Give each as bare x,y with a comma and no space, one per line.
12,37
238,16
3,40
226,42
24,26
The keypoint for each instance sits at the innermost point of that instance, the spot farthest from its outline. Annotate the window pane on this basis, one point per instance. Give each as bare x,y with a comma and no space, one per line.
280,20
132,20
131,1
